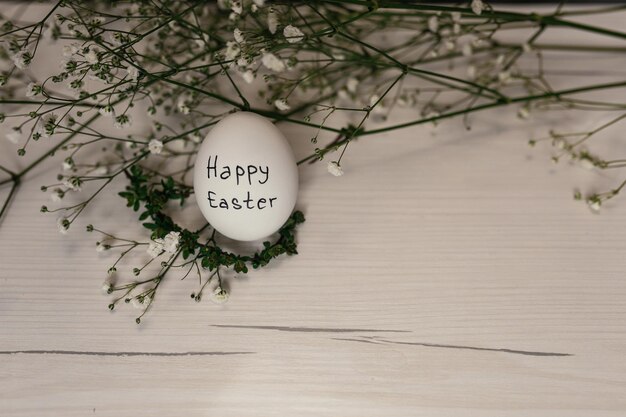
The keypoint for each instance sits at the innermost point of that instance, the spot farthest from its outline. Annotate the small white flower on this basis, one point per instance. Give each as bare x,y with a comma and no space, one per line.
92,56
107,111
499,60
102,247
32,90
57,195
101,170
523,113
170,242
232,50
136,303
456,16
293,34
471,72
272,21
182,106
467,50
146,300
69,50
259,3
343,95
123,121
14,136
594,204
335,169
238,36
47,124
68,164
352,84
22,59
433,24
155,146
374,99
526,47
272,62
281,104
63,224
449,44
155,247
107,285
504,77
248,76
73,183
132,73
587,163
236,7
477,6
220,295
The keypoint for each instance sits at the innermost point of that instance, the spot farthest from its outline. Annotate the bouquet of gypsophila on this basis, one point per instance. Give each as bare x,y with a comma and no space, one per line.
181,66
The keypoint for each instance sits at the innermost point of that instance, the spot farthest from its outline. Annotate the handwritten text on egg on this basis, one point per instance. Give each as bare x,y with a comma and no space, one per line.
242,174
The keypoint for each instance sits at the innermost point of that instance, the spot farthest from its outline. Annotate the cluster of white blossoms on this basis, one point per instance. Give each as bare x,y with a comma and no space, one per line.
169,244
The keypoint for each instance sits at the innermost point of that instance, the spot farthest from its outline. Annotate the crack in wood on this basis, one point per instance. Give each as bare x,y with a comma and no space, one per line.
369,339
92,353
308,329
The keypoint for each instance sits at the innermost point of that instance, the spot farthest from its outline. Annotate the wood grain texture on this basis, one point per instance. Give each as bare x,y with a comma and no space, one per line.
448,273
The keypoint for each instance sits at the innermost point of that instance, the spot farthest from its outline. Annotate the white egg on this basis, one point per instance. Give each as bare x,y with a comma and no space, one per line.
245,177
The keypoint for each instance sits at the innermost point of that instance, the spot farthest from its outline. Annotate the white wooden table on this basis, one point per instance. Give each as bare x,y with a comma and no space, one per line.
448,273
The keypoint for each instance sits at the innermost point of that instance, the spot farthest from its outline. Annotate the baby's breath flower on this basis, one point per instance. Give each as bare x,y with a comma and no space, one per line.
48,124
155,248
259,3
107,111
68,163
182,106
504,77
586,163
170,242
137,303
122,121
63,224
14,136
132,73
523,113
57,195
292,34
467,50
335,169
238,36
247,75
107,286
220,295
595,203
155,146
272,21
92,56
352,84
70,50
22,59
236,6
456,29
456,16
433,24
33,89
281,104
73,183
477,6
232,50
272,62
